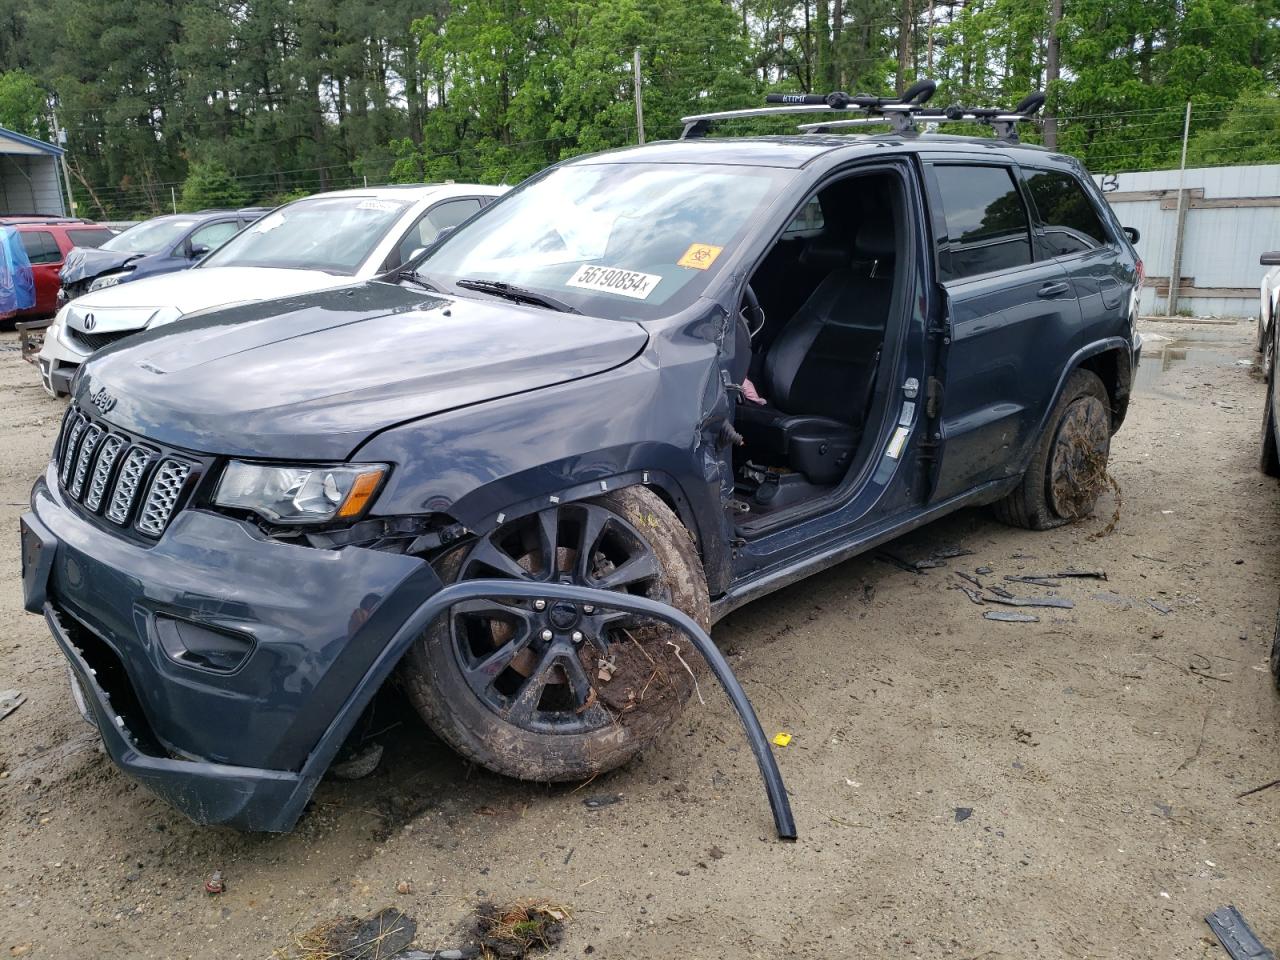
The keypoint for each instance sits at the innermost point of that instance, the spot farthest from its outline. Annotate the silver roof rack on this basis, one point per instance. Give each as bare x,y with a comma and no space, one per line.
902,113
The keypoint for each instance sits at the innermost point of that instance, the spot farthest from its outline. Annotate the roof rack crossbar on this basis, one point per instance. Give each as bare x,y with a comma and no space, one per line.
902,112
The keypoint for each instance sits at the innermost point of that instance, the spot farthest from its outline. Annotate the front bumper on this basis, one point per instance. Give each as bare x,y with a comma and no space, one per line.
246,746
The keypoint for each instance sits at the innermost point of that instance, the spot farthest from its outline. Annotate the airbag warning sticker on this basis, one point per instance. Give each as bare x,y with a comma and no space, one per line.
700,256
626,283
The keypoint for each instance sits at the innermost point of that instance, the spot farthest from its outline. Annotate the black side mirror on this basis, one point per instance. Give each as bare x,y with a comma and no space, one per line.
199,250
1132,233
1270,259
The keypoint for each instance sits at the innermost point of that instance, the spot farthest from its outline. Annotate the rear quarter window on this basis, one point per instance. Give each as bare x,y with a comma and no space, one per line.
89,238
1071,224
986,221
40,245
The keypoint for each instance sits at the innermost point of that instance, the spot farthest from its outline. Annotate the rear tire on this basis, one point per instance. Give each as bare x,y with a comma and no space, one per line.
507,686
1269,460
1066,474
1275,650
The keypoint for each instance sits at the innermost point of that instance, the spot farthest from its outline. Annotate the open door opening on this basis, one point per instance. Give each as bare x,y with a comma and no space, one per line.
817,312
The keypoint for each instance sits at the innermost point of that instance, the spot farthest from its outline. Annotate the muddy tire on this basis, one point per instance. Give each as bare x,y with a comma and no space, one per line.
1275,651
547,690
1067,472
1269,460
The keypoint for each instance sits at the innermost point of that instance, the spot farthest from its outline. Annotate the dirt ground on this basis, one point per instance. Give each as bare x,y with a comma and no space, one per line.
1100,765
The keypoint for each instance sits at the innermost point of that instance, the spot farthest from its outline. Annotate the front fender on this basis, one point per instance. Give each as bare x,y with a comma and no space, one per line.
639,423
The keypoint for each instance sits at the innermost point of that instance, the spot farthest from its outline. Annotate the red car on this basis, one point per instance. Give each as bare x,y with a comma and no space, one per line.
47,241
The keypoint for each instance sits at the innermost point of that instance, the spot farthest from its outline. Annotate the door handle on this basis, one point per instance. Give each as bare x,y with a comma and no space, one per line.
1054,289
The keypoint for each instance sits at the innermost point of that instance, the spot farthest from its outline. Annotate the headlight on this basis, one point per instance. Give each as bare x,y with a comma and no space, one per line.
106,280
299,494
164,315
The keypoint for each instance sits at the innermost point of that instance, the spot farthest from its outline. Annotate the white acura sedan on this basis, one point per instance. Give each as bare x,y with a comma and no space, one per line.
321,241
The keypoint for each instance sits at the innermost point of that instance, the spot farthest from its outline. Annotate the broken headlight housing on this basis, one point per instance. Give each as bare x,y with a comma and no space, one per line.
298,494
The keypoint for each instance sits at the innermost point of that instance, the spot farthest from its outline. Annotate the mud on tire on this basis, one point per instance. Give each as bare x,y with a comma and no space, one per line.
486,678
1067,472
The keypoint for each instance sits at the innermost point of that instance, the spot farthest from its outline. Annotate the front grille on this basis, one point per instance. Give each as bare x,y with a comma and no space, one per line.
166,487
119,478
96,341
135,465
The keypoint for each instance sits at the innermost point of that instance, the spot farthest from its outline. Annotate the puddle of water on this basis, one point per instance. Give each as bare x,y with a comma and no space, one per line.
1201,348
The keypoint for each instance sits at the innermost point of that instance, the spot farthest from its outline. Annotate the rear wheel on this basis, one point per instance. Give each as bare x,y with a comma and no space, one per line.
1067,472
1270,458
1275,650
551,690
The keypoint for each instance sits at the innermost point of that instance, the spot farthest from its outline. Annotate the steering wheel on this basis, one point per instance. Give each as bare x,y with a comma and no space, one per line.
752,313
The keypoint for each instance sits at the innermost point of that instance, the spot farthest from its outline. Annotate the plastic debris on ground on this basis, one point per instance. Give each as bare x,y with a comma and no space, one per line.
1240,942
782,739
1009,616
10,700
215,884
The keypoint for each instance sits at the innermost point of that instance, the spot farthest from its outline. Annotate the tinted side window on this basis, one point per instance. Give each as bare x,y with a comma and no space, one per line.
40,246
1070,222
89,238
214,235
987,227
424,232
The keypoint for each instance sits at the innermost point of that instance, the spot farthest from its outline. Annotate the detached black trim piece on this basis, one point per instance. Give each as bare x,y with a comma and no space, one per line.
273,800
1240,942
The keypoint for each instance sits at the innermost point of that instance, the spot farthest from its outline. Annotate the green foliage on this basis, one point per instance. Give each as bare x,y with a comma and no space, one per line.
23,105
210,184
304,95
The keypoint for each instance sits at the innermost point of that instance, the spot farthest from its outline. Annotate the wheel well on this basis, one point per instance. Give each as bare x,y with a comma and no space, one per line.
1112,367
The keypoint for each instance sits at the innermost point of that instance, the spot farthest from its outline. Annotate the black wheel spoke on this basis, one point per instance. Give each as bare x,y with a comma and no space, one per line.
492,665
636,569
593,523
486,553
579,683
524,706
492,607
548,540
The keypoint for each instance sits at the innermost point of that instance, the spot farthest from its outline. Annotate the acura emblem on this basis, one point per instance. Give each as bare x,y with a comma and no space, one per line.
89,322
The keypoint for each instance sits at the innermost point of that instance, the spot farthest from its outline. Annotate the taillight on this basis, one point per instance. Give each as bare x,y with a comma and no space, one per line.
1142,273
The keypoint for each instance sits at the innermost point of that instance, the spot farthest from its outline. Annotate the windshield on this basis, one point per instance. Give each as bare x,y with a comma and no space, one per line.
151,236
333,234
623,241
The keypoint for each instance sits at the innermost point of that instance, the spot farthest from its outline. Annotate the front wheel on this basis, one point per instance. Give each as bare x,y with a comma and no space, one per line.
1066,474
550,690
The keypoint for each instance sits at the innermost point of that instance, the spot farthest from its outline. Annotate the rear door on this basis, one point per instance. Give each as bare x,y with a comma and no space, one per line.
1073,232
1009,324
46,259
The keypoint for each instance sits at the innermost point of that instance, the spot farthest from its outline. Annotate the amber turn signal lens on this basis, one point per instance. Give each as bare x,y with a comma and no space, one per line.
362,492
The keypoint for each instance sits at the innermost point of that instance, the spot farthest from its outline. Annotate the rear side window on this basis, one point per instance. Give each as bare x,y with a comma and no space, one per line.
40,246
89,238
1070,222
987,226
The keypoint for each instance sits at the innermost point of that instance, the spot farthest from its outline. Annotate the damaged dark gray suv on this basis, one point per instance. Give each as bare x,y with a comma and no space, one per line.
695,371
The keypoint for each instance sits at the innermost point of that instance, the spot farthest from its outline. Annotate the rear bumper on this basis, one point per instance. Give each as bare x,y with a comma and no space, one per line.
244,745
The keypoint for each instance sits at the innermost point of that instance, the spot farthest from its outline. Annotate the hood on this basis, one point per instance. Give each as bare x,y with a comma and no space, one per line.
202,289
312,377
85,263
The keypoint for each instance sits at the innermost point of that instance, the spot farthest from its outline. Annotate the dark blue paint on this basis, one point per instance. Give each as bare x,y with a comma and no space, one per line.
486,409
84,264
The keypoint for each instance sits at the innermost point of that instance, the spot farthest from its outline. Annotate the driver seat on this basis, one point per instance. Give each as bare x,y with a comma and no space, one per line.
820,371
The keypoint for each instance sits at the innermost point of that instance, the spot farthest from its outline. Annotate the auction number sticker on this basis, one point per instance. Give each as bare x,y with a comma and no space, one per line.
626,283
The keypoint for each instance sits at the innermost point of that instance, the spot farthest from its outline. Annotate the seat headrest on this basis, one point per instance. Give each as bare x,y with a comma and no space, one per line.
825,254
874,239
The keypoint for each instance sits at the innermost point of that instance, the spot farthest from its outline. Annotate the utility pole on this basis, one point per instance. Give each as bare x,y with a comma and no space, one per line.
173,199
61,139
1175,273
635,79
1051,74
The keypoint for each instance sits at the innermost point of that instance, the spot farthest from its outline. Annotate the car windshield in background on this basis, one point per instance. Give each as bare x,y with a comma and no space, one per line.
333,234
153,236
623,241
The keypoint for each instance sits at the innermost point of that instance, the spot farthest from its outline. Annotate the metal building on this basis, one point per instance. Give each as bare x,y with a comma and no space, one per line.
1229,216
30,178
